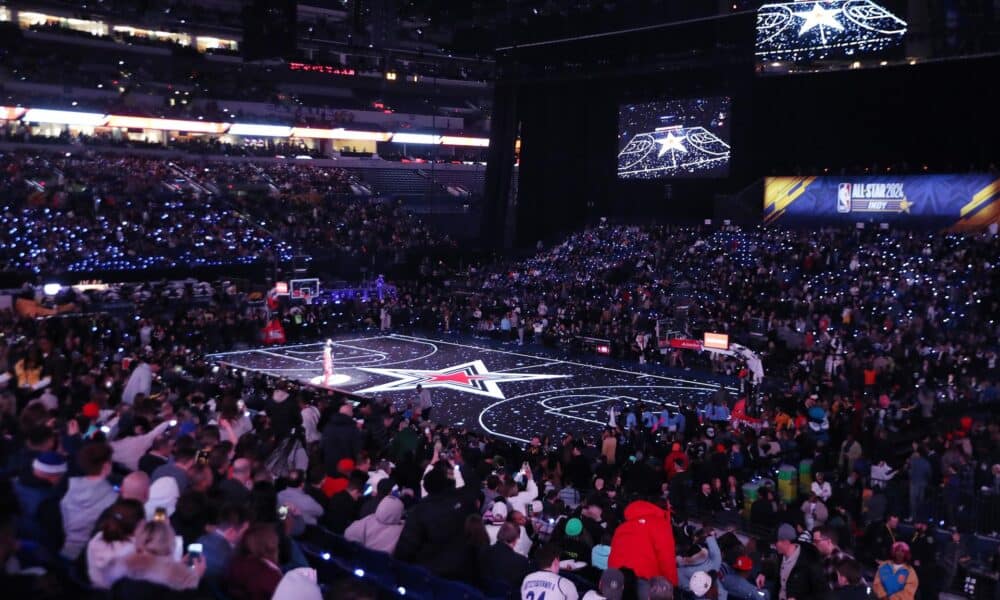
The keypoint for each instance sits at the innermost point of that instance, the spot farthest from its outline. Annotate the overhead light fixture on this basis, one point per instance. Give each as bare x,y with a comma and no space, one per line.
261,130
64,117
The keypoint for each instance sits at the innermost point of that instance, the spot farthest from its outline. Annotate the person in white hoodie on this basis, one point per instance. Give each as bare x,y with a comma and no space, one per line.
139,382
114,540
298,584
380,530
86,498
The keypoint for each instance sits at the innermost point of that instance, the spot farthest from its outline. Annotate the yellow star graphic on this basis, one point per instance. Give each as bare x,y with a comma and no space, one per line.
904,206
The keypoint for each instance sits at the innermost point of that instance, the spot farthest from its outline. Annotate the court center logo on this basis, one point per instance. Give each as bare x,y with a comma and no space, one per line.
471,377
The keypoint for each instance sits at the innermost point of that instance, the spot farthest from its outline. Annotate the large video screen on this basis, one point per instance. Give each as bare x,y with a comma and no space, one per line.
809,30
674,138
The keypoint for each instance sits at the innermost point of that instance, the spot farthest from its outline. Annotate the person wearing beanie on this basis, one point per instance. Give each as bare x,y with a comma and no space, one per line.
337,482
644,543
677,457
896,579
343,507
38,496
660,589
611,586
86,498
801,572
574,540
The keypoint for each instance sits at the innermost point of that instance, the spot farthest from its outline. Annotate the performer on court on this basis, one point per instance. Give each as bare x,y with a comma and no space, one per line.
424,402
327,362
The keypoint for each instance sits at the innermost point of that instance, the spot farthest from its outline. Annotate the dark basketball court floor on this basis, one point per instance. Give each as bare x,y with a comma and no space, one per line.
510,394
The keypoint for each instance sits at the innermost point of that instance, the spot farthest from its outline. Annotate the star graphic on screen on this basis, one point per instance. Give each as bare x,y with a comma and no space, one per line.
471,377
904,205
670,143
819,17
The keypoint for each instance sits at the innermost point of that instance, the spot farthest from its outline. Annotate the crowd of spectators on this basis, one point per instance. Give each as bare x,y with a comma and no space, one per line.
879,347
93,212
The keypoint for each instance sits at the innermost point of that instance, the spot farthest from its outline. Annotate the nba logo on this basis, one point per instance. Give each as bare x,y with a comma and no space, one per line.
844,198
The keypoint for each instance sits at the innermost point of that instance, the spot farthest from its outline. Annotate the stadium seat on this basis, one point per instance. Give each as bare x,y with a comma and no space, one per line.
445,589
378,565
417,581
495,589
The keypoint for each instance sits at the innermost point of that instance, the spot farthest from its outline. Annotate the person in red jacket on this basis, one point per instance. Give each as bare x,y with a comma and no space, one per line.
645,544
677,455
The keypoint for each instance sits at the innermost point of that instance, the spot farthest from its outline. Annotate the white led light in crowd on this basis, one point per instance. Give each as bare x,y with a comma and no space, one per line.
261,130
415,138
65,117
818,29
51,289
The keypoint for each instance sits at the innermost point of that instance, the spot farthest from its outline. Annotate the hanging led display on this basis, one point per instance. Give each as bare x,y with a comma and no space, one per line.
814,30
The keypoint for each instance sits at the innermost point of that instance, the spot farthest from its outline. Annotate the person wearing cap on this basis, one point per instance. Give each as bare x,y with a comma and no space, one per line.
676,459
336,483
38,496
703,554
703,585
735,580
645,544
896,579
611,586
546,582
801,574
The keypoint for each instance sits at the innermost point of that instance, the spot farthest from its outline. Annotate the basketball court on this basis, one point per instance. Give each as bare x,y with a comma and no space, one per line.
510,394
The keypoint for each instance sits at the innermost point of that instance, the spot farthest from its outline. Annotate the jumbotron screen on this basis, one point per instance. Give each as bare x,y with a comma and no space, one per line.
674,138
809,30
